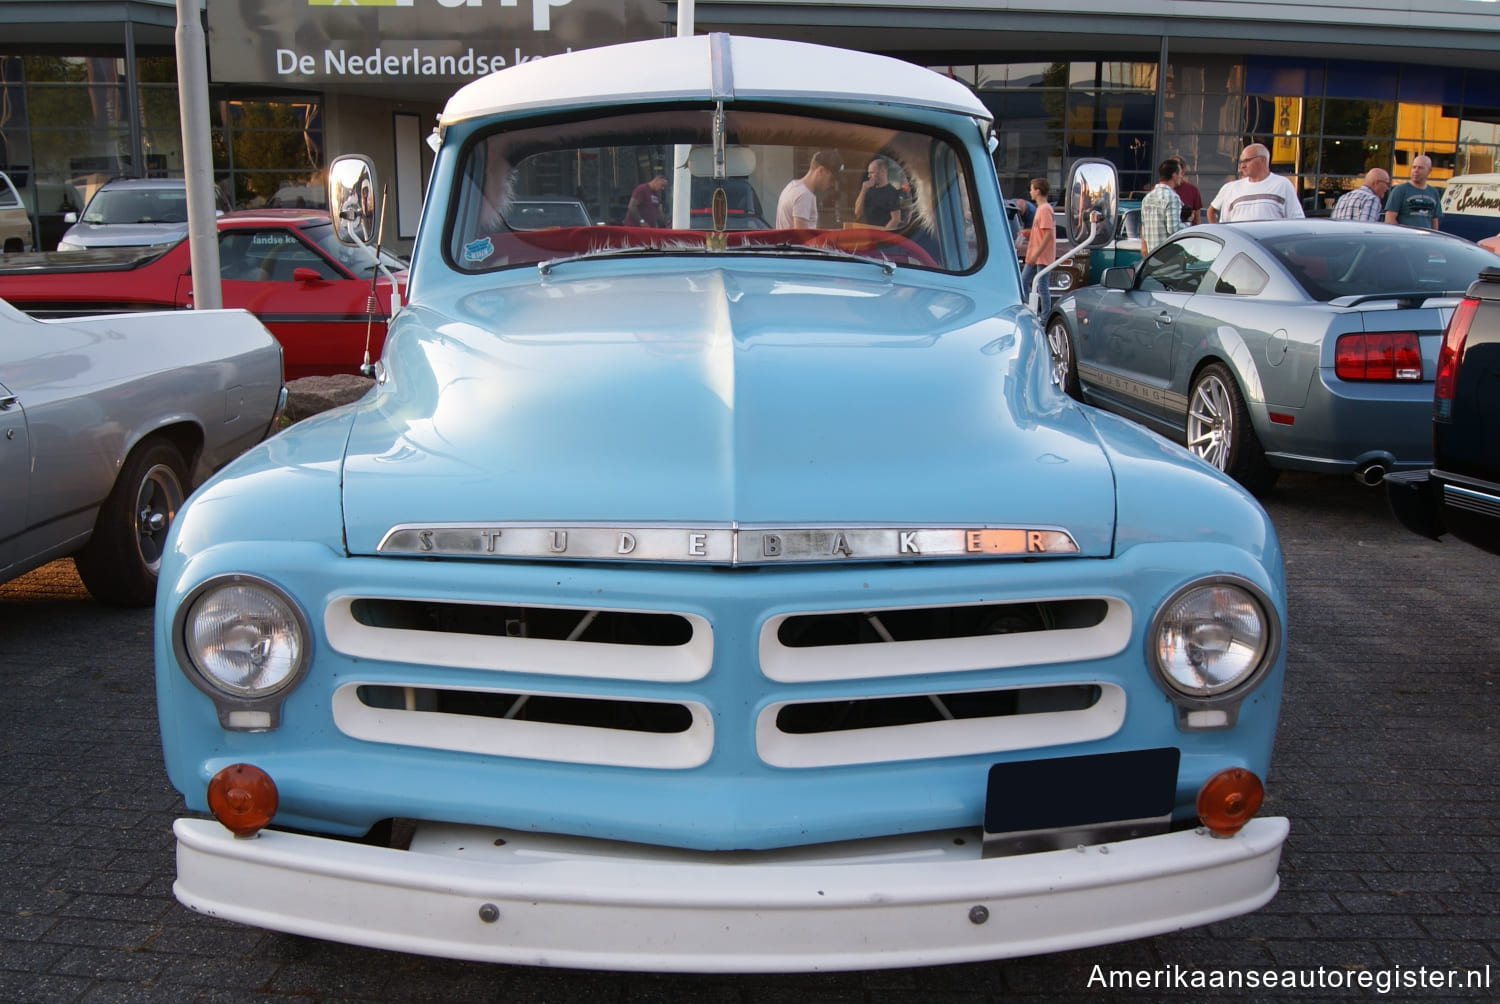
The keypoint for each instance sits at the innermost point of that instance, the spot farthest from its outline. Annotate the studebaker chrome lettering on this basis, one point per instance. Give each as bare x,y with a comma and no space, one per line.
724,544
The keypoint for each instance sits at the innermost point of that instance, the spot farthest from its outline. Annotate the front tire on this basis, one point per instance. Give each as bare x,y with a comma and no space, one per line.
1064,366
1219,430
119,564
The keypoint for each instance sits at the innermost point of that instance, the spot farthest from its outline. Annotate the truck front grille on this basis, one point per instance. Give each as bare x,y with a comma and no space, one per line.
530,725
821,688
882,642
597,642
929,725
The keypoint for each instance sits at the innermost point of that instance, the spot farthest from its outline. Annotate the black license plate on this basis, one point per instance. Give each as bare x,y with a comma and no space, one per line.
1080,799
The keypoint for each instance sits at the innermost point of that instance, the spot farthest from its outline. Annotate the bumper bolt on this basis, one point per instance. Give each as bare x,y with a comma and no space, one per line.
979,914
489,913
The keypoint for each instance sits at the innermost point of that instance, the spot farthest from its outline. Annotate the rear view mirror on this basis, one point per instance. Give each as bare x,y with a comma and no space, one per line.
739,162
1092,197
351,198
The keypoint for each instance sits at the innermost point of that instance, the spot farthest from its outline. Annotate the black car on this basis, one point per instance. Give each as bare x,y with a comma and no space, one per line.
1461,493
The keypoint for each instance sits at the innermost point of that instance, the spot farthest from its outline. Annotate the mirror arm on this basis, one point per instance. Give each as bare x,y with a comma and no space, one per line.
1033,298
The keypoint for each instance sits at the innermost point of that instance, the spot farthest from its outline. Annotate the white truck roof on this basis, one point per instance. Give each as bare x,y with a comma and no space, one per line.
716,66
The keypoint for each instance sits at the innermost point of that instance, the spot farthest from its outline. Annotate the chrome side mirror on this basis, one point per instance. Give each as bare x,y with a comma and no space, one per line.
1092,201
351,198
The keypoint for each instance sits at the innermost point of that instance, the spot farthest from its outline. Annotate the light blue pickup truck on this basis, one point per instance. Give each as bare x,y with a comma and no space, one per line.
719,599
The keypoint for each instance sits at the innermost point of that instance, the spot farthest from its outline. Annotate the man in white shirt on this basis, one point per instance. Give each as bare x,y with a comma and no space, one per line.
1259,195
797,209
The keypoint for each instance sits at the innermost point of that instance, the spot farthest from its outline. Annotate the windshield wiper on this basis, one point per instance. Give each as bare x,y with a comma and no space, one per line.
887,266
547,266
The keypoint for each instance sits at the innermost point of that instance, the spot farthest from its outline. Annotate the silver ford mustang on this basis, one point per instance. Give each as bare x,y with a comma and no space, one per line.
106,423
1305,345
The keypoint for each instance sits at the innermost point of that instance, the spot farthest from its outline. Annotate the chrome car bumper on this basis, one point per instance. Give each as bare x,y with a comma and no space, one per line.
924,899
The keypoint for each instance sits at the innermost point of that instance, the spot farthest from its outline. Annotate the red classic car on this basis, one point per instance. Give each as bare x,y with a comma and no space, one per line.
283,265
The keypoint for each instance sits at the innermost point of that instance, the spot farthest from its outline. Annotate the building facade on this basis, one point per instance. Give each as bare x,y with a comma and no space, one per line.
88,87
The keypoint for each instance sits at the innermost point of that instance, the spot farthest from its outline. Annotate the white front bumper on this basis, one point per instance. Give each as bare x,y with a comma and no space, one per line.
557,901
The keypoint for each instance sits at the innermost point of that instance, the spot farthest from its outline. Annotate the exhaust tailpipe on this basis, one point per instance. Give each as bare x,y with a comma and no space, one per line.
1370,475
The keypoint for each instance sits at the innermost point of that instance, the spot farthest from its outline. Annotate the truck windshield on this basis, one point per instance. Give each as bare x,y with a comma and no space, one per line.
784,184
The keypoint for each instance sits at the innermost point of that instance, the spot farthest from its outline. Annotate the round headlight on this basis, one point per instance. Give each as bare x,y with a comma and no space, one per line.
245,638
1210,638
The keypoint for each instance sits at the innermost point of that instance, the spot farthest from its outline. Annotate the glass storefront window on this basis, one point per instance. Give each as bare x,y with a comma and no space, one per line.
995,76
1350,157
1431,85
1113,75
1478,148
1286,77
1343,117
1034,108
1204,75
1371,81
65,129
74,69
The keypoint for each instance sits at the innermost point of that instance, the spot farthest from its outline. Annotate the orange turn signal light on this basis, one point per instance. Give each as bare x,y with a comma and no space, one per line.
242,797
1229,800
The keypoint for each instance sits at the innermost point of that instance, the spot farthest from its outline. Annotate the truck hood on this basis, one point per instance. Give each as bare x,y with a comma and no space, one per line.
722,398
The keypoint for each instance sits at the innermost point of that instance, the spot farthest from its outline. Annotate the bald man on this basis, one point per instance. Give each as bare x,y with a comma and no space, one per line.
1257,194
1365,203
1415,203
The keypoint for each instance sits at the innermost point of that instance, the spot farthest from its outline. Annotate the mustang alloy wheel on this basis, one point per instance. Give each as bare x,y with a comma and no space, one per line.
1219,430
1211,420
1060,346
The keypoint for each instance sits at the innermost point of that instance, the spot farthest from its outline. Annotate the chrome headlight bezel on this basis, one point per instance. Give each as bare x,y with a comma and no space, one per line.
241,709
1215,707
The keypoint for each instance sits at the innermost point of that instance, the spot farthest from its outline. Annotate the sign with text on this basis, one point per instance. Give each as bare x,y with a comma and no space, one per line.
300,42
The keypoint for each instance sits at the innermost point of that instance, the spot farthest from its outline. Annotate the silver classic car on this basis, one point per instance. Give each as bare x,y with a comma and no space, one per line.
1305,345
106,424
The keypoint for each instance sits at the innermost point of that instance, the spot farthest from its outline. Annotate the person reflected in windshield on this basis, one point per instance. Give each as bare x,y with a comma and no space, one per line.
878,203
645,204
797,209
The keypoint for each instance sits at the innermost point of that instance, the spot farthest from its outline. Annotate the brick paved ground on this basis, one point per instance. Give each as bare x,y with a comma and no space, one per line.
1388,764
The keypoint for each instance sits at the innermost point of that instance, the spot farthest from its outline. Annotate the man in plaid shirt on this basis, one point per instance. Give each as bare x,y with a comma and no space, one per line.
1366,202
1161,209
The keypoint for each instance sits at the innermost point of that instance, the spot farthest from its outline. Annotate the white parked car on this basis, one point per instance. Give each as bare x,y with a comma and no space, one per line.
134,212
15,222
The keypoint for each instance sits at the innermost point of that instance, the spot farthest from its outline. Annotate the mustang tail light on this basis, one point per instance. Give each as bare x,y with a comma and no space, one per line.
1229,800
242,797
1378,355
1449,357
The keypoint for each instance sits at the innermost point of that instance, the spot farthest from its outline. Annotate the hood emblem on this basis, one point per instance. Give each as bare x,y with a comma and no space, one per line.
721,544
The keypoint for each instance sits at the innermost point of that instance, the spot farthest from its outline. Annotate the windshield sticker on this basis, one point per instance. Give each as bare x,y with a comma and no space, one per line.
479,250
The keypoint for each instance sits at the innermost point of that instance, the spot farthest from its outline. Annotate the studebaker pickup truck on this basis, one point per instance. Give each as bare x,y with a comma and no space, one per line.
713,599
282,265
